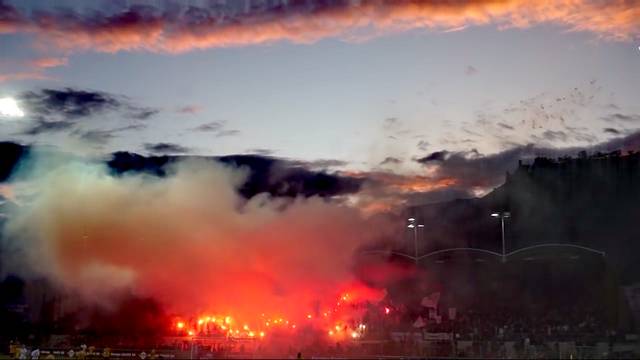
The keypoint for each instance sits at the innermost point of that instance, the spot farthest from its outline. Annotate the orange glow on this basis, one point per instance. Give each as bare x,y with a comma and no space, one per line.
180,325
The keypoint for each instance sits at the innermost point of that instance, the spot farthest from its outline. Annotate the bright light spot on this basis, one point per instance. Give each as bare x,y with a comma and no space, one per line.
246,327
190,333
227,320
180,325
200,321
261,333
387,310
9,108
330,332
309,316
251,334
354,334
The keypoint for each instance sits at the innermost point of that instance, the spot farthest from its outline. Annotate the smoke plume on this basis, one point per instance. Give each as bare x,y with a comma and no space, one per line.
188,240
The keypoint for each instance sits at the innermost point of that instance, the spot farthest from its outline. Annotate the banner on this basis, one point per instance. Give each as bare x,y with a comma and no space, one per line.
437,336
431,301
452,313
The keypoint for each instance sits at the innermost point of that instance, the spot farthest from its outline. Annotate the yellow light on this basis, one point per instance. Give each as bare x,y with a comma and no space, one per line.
309,316
354,334
200,321
337,327
227,320
251,334
209,319
237,331
246,327
261,333
180,325
190,333
330,332
223,327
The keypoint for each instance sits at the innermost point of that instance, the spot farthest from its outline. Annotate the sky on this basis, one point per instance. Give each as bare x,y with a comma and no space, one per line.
326,118
365,86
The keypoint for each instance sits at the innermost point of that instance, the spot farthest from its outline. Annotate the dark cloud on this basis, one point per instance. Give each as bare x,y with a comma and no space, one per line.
470,70
102,137
73,104
554,135
258,151
277,177
611,131
391,123
143,113
189,109
223,133
166,148
423,145
505,126
434,156
468,170
622,117
41,126
68,103
213,126
391,161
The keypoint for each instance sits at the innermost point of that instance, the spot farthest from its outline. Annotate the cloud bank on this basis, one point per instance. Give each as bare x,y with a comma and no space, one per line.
175,29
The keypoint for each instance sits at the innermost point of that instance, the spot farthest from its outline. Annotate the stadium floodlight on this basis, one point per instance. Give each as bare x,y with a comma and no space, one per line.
414,226
502,215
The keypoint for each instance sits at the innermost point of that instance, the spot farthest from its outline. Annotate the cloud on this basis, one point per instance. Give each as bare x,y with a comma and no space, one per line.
23,75
70,104
49,62
390,160
40,126
183,28
505,126
102,137
189,109
223,133
53,110
471,171
166,148
423,145
434,156
212,126
259,151
470,70
612,131
622,117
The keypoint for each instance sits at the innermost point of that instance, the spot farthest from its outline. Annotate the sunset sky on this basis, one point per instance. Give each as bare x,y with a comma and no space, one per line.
357,85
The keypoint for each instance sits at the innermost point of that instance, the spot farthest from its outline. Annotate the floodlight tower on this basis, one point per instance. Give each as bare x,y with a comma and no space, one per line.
502,215
413,225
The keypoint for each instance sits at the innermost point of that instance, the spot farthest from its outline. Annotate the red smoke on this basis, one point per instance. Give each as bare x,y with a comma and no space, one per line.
191,242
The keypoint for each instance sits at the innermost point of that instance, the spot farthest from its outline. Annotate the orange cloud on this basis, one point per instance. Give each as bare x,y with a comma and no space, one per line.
152,30
49,62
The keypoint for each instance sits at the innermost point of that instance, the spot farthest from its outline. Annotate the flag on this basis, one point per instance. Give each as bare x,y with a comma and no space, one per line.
431,301
452,313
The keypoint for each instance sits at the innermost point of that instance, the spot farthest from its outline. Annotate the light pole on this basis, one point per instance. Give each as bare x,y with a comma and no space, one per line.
502,215
413,225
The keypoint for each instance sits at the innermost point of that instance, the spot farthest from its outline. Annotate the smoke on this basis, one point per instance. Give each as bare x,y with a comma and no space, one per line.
188,240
